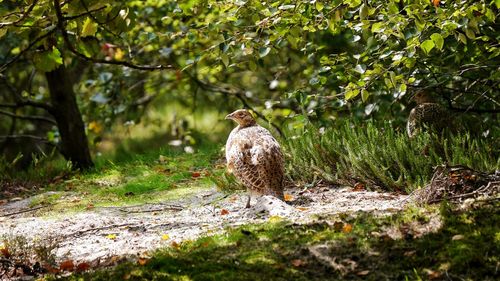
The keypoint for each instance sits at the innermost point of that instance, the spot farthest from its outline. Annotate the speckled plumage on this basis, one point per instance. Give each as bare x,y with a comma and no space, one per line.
254,156
427,113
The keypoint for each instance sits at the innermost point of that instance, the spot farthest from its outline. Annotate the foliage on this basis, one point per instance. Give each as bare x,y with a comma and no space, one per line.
313,60
280,250
377,154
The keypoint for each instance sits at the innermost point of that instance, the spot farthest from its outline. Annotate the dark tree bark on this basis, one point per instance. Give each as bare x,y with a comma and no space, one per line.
74,143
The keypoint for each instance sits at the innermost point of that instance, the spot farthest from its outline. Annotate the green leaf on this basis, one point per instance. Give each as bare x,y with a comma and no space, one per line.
264,51
3,31
319,6
427,46
438,40
252,65
470,33
225,59
462,38
365,95
351,94
363,12
47,61
89,28
377,27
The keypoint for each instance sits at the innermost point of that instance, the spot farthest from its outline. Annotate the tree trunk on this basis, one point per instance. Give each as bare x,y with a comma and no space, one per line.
74,143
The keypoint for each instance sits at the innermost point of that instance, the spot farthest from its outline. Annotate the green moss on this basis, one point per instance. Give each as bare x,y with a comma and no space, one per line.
279,251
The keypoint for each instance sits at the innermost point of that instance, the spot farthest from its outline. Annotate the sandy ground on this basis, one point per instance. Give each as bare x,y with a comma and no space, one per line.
102,233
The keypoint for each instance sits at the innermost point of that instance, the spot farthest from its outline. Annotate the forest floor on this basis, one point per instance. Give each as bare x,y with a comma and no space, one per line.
158,216
98,234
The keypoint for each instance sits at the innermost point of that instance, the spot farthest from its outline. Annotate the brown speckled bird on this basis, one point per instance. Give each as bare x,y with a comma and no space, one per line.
428,113
254,156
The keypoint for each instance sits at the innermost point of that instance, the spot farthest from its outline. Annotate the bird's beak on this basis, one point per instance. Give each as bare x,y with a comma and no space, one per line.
229,116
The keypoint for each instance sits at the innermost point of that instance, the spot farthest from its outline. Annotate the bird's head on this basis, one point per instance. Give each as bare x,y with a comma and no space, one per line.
243,117
423,97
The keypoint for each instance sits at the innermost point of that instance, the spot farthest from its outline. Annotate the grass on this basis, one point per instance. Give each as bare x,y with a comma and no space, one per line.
380,156
158,174
358,246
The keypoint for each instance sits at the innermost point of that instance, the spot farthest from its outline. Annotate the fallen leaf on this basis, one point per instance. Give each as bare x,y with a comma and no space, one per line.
302,208
338,225
297,262
83,266
67,265
165,237
51,269
90,206
195,174
347,228
359,187
111,236
224,212
5,252
363,273
114,259
432,274
275,219
288,197
457,237
175,244
142,261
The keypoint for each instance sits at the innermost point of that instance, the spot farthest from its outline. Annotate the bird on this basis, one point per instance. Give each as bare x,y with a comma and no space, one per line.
427,113
254,156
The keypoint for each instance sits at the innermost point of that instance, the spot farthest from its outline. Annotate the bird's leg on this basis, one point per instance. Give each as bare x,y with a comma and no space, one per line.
248,202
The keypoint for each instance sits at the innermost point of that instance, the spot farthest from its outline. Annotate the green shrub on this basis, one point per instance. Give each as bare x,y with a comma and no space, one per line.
380,156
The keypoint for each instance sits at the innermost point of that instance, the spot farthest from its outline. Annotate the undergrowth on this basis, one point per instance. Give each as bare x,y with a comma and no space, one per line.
380,156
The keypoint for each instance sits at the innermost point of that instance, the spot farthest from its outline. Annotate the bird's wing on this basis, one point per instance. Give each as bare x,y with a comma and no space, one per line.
267,159
240,160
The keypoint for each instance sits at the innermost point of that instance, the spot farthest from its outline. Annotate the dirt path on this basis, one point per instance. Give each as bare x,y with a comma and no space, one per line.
119,231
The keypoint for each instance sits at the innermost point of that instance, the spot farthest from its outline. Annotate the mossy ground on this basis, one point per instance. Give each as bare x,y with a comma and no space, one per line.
466,247
160,174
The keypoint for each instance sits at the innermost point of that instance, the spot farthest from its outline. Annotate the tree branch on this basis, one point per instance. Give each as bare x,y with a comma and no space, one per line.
42,105
239,94
61,27
88,12
28,117
4,66
25,15
41,139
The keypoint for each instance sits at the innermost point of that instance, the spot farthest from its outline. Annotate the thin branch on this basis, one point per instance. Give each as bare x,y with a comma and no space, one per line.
45,106
37,138
143,100
25,15
23,211
4,66
28,117
88,12
101,24
239,94
60,26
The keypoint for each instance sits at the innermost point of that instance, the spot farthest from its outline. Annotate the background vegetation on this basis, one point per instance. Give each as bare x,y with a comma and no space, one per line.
122,102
